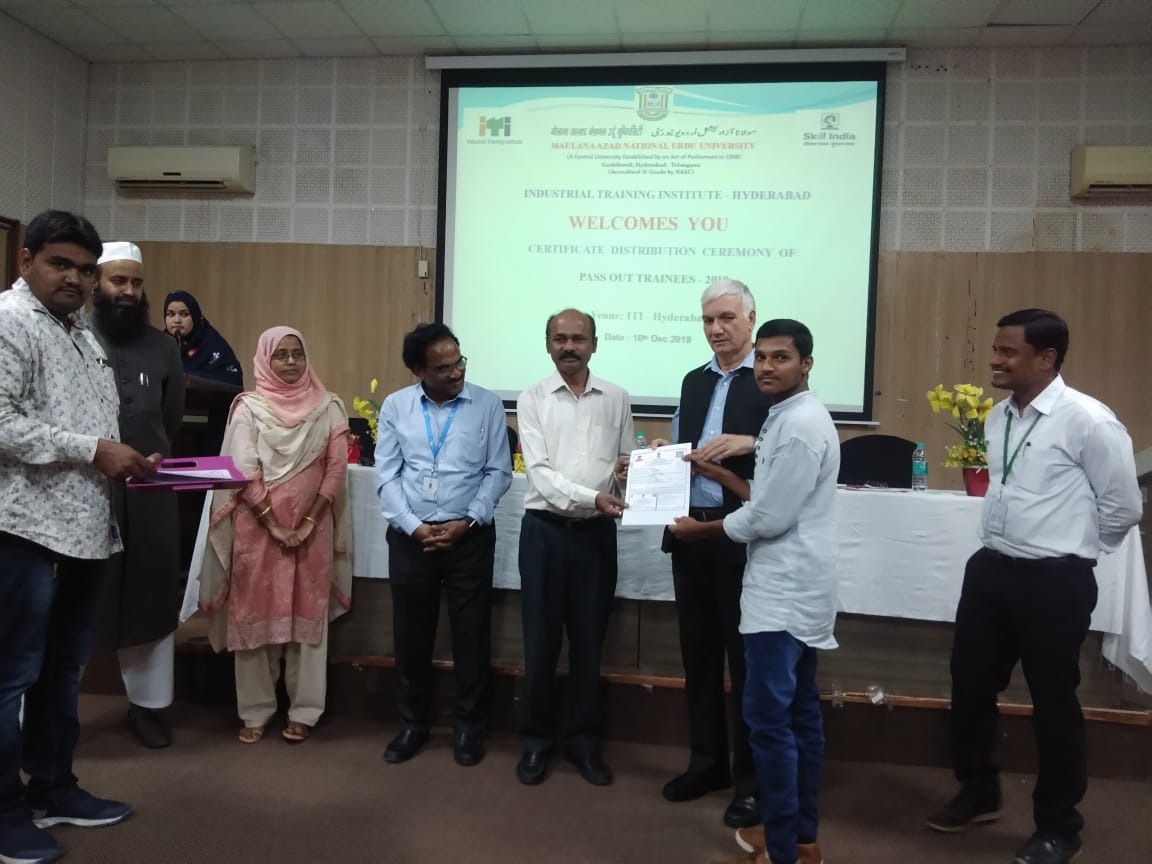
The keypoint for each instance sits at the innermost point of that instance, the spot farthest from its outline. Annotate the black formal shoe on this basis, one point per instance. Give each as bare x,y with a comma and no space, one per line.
405,745
1048,849
743,812
148,727
592,768
533,767
689,787
468,748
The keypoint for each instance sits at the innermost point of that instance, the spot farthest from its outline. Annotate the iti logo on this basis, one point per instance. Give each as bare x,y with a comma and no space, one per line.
495,127
653,103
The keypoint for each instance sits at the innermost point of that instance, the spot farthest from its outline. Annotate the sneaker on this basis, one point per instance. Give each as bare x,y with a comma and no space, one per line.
21,842
752,840
962,811
77,807
1048,849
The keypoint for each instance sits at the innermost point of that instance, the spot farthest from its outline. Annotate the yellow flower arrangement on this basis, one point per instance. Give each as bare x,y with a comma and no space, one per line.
967,404
369,409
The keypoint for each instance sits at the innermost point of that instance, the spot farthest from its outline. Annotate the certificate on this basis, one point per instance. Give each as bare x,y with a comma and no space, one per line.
658,485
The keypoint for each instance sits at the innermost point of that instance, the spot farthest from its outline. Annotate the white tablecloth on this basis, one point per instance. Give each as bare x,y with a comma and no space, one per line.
902,555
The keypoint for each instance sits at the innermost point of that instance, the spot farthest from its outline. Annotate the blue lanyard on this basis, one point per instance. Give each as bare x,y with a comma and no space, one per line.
437,445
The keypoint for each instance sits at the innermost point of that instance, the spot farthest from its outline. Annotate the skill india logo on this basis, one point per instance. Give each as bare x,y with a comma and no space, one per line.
653,103
495,127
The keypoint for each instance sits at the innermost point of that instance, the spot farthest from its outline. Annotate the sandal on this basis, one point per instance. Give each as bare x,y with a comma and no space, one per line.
295,732
251,734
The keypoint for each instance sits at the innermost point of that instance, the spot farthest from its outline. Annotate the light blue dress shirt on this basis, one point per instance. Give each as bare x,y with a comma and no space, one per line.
472,470
705,491
790,525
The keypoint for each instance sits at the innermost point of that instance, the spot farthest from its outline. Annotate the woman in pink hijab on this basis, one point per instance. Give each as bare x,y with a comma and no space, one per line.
277,568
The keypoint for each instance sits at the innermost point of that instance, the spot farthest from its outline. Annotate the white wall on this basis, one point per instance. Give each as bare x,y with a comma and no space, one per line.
976,148
977,144
43,99
346,148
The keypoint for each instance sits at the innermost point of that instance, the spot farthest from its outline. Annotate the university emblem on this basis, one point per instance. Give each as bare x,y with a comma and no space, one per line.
653,103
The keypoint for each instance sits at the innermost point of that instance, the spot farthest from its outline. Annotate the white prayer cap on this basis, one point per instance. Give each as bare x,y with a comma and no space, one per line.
121,251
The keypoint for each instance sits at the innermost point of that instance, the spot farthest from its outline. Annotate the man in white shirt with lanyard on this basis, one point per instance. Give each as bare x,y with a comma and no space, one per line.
576,433
1062,490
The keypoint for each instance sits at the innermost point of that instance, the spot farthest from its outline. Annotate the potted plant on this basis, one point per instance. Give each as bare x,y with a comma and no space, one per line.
967,404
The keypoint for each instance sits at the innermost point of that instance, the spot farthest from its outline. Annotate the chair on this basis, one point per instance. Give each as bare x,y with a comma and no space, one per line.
359,427
513,443
877,459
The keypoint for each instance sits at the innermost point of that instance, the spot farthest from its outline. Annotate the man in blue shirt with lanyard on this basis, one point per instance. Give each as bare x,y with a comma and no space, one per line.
442,464
1062,489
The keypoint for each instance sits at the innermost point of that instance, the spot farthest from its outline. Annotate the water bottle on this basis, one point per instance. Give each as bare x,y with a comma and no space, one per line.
919,468
641,441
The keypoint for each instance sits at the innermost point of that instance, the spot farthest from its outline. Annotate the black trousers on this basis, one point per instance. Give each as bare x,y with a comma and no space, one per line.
1035,613
708,577
567,583
464,572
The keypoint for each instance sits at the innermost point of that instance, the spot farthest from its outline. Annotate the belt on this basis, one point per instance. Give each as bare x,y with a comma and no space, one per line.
1063,562
569,523
708,514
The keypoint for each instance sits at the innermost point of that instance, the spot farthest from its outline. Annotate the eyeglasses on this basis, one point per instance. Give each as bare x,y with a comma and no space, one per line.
282,356
62,265
449,368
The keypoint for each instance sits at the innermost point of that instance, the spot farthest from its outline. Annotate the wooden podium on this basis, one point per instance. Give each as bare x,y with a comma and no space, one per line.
206,405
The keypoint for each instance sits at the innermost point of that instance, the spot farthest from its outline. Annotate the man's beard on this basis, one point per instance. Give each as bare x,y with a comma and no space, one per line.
119,322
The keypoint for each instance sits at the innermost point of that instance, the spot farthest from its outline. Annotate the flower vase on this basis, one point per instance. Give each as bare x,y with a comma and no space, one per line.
976,482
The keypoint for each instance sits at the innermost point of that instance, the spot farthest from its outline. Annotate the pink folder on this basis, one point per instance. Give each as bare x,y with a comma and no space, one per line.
191,473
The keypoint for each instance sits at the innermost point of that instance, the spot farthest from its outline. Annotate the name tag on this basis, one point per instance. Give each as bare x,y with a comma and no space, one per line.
997,515
429,485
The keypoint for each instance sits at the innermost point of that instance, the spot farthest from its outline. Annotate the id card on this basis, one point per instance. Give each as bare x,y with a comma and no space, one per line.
997,515
428,487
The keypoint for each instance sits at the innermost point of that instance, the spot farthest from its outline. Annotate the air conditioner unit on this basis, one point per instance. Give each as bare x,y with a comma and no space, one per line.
1107,171
222,169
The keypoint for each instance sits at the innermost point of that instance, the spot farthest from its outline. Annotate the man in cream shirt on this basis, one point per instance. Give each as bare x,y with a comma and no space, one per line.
575,433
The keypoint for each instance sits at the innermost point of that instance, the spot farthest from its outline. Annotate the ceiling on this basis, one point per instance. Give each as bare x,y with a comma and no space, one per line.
144,30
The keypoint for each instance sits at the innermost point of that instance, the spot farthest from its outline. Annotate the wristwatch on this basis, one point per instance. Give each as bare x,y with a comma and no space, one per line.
472,523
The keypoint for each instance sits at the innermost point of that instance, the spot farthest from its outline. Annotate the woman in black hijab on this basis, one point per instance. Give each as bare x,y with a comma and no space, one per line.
205,353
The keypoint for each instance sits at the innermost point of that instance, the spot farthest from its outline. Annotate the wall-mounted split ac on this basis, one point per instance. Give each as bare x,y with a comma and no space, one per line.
210,169
1099,171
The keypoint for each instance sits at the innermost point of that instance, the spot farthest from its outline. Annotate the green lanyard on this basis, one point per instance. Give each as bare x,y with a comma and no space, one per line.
1009,462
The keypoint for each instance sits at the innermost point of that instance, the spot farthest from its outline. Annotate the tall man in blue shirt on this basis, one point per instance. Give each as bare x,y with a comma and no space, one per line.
442,464
720,411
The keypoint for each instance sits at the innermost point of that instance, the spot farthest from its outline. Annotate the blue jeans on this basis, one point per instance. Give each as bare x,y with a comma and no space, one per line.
782,709
46,630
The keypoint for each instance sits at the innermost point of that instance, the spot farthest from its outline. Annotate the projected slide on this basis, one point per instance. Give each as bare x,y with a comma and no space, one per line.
627,200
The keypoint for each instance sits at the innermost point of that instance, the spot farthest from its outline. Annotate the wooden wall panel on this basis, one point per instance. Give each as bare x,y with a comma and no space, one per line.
936,315
936,318
352,303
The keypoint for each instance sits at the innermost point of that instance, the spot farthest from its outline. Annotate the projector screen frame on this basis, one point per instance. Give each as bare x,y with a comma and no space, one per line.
873,70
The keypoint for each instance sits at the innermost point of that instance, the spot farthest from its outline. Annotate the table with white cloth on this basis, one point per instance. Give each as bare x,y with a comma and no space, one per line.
901,554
